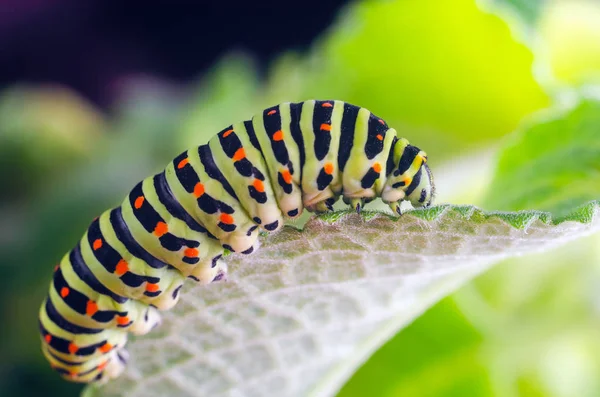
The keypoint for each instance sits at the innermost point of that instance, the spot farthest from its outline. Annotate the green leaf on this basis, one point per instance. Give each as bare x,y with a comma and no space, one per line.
44,130
529,11
303,312
426,67
434,356
563,35
552,163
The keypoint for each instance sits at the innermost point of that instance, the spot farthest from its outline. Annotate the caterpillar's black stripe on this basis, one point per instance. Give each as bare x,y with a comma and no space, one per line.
185,217
63,361
173,206
252,135
185,174
190,260
323,180
389,165
84,273
149,219
272,124
78,301
259,197
212,170
296,115
415,182
61,345
109,258
230,144
347,134
287,187
376,130
322,128
410,153
369,179
125,237
63,323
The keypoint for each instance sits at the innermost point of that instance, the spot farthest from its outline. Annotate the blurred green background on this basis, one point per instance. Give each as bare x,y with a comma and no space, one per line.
455,77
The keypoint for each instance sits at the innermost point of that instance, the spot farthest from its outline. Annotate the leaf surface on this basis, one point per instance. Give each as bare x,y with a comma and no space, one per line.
297,317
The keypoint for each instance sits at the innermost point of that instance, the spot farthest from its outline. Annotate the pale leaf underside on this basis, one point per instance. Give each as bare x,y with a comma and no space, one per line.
297,317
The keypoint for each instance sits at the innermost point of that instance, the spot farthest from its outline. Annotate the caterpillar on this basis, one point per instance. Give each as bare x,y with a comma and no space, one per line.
133,259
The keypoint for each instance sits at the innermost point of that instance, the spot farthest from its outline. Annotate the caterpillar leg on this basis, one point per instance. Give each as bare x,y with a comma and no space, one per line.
395,207
322,201
116,361
165,293
357,204
146,321
210,271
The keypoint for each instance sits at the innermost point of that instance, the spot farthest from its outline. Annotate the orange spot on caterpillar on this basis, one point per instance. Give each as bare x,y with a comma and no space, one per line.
97,244
191,252
56,267
139,202
381,122
287,177
227,133
380,137
377,167
48,338
105,348
407,181
271,112
91,308
278,136
239,154
198,189
64,291
161,229
328,168
327,105
258,185
226,219
72,374
122,320
325,127
102,365
73,348
122,267
182,163
151,287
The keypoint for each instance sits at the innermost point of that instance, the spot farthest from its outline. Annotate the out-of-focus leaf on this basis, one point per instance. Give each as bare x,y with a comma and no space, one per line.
304,311
43,130
227,94
528,11
445,74
564,36
435,356
552,163
571,32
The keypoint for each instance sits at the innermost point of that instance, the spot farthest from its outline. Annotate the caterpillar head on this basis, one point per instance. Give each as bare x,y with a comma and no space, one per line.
410,177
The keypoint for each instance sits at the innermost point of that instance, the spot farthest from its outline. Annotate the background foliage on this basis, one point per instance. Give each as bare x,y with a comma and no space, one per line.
500,93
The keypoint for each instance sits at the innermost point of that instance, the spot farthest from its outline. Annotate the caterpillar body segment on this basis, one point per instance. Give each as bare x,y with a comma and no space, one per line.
253,175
